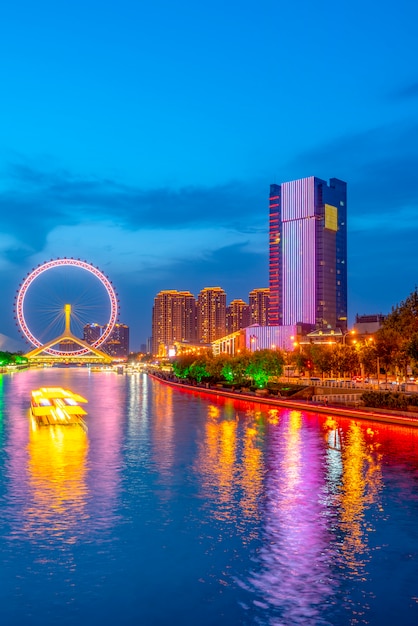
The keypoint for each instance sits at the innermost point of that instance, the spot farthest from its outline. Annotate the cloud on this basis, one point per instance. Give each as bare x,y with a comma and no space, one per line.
58,196
51,213
145,253
235,268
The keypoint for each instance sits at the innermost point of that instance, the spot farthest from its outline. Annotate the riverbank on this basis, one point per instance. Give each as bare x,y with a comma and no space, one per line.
390,417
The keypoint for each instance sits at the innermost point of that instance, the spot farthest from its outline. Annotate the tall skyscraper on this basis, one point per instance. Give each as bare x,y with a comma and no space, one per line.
237,316
211,314
308,253
259,306
173,319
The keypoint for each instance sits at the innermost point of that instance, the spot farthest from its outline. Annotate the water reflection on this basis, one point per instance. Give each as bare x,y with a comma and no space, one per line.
229,464
163,431
56,496
64,477
1,404
217,462
292,579
252,474
360,486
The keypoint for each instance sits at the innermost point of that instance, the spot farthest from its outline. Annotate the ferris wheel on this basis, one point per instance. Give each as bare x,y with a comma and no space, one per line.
57,290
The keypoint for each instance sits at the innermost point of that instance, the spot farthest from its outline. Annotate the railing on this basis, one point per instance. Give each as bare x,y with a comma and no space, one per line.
338,398
319,382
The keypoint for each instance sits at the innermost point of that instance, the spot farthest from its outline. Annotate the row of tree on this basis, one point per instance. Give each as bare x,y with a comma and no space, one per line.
11,358
255,368
392,350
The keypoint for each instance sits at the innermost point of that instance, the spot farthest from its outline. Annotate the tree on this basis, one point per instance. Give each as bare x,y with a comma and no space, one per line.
388,346
181,365
367,356
6,358
404,317
413,347
344,359
239,364
263,365
199,369
215,365
321,357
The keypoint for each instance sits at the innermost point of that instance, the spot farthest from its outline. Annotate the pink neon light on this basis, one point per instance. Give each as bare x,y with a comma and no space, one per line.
298,260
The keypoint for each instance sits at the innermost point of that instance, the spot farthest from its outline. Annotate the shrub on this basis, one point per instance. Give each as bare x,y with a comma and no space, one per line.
386,399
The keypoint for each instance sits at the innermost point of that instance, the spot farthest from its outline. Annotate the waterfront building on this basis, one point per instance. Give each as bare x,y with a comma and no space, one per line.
368,324
185,347
237,316
92,332
259,306
256,337
211,314
188,318
308,253
117,345
67,345
173,319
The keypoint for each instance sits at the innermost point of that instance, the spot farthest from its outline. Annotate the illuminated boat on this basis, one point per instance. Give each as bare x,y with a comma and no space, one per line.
56,406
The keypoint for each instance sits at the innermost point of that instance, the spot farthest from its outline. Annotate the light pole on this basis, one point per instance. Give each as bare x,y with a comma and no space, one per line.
347,332
296,344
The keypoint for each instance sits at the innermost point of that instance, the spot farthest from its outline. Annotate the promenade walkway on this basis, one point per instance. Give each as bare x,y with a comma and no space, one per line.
404,418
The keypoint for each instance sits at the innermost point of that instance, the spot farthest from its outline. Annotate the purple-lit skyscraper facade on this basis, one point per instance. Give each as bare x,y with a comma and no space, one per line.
308,253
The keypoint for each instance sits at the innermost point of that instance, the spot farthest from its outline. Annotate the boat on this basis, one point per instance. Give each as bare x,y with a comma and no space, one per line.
52,406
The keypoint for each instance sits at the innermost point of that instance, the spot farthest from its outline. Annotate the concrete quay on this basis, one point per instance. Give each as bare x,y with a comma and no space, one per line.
401,418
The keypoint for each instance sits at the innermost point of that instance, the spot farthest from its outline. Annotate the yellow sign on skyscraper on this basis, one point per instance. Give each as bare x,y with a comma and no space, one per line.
331,217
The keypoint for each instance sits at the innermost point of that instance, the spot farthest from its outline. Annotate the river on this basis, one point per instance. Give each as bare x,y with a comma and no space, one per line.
176,508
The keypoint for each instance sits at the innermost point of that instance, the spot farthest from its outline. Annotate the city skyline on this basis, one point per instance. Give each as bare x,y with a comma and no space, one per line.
131,139
180,317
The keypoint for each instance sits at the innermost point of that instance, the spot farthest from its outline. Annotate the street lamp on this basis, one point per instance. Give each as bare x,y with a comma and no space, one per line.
297,344
348,332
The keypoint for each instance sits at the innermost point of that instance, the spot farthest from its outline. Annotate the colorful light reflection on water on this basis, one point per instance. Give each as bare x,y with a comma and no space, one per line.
175,507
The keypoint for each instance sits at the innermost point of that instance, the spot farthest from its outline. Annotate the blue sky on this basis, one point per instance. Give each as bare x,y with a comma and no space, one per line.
143,137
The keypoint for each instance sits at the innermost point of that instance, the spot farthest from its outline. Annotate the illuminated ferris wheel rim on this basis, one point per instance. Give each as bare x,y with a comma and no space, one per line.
65,262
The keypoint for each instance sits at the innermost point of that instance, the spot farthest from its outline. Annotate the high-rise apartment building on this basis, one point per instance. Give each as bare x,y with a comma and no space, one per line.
173,319
92,332
259,306
308,253
237,316
211,314
116,345
188,316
